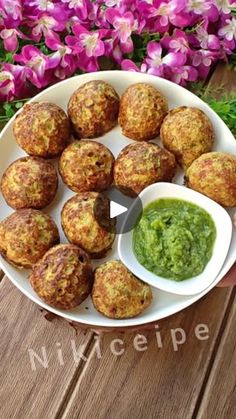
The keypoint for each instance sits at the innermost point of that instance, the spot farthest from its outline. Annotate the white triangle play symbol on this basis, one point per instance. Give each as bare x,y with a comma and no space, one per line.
116,209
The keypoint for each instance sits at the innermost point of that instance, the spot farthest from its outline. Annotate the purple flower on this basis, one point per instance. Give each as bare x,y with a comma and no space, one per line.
42,5
67,63
223,6
178,42
10,38
129,65
164,12
203,60
198,7
80,6
227,47
7,85
11,10
12,81
181,75
37,65
123,25
156,63
111,3
89,42
203,8
43,25
206,40
229,30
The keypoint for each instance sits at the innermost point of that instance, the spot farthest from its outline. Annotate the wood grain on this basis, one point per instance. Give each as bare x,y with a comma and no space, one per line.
155,383
223,79
219,400
25,393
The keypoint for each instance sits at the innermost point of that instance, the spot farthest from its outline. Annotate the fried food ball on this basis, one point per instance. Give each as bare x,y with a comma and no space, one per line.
142,110
42,129
140,165
84,226
86,166
187,133
63,277
25,236
93,109
214,175
117,293
29,182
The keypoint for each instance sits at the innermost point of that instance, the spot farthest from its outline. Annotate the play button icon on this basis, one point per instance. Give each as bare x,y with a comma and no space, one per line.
117,212
116,209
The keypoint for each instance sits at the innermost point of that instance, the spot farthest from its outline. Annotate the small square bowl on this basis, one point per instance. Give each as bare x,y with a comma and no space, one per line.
223,226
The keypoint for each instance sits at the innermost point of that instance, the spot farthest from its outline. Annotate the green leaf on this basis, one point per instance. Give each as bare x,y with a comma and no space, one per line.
9,57
9,111
19,105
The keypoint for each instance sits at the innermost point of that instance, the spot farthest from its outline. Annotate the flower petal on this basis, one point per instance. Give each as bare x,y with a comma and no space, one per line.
174,59
154,49
129,65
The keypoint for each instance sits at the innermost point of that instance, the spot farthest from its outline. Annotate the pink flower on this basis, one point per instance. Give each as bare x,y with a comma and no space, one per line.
87,64
7,85
207,41
89,42
198,6
10,38
203,60
227,47
80,6
223,6
12,81
181,75
42,5
203,57
37,65
178,42
123,25
164,12
156,63
229,30
111,3
44,25
129,65
67,65
11,9
203,8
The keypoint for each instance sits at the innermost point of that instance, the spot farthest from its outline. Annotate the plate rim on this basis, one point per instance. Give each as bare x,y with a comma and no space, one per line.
136,321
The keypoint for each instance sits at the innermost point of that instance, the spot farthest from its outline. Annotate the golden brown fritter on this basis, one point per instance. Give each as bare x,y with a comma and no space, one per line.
25,236
142,110
81,227
42,129
93,109
214,175
63,278
29,182
187,133
142,164
87,166
117,293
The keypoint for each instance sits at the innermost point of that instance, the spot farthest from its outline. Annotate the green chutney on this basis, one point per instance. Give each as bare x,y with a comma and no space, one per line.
174,238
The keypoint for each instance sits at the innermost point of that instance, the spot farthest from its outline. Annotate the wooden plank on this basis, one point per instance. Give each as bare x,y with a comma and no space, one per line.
219,399
158,382
223,78
28,388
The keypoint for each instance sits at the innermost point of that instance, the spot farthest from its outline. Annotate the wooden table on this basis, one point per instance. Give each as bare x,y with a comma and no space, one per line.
163,379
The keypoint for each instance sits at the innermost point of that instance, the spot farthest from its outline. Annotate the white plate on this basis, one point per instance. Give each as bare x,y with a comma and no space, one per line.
164,304
223,226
